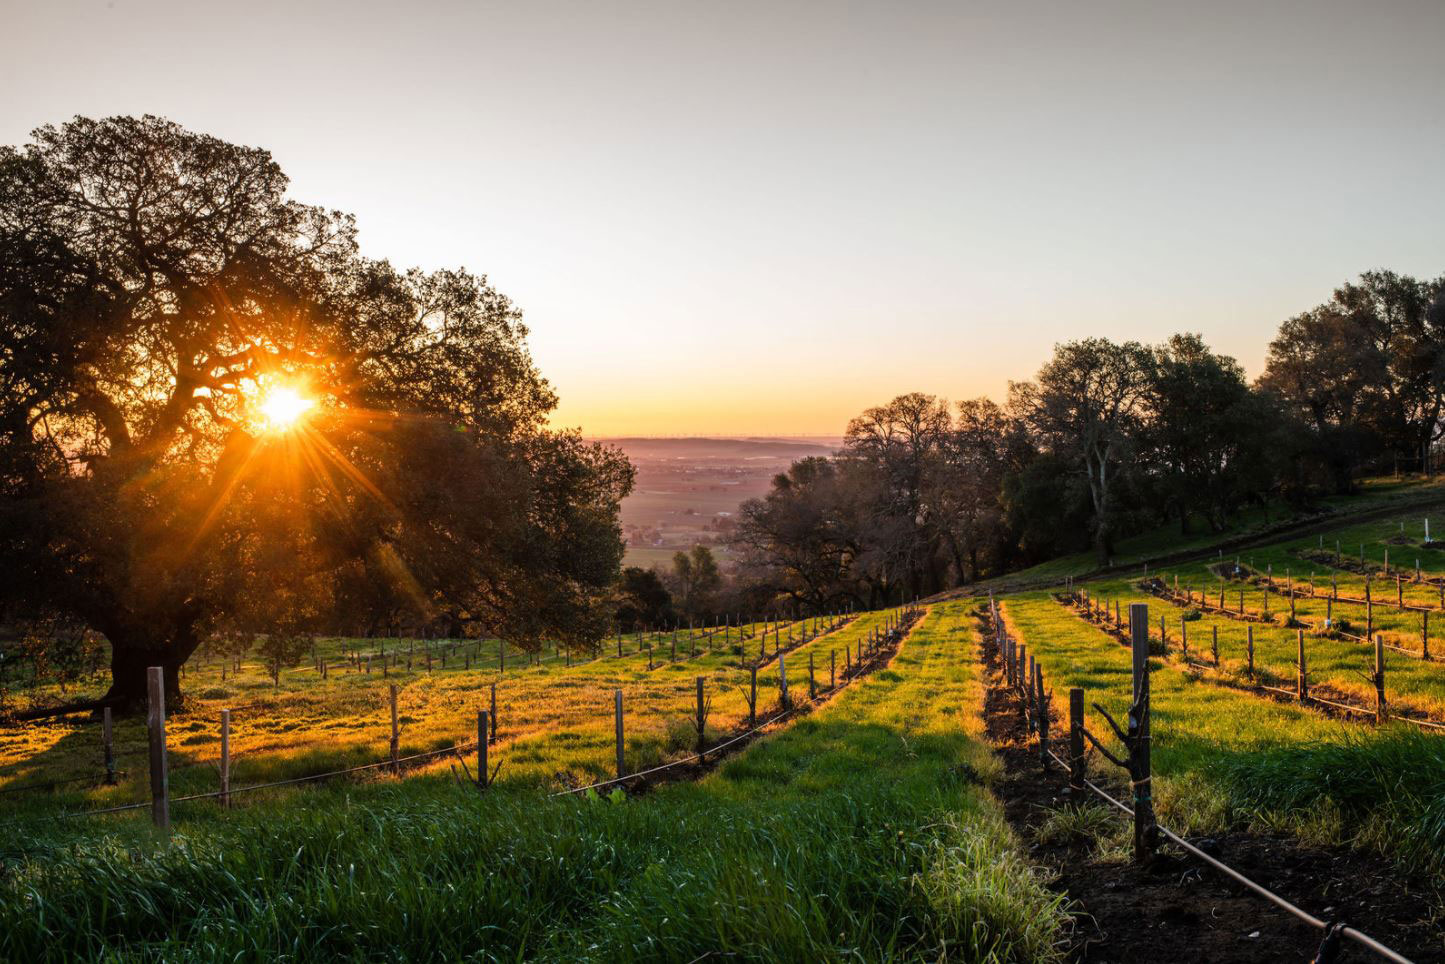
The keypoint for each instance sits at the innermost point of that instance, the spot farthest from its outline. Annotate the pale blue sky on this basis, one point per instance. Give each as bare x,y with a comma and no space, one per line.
762,217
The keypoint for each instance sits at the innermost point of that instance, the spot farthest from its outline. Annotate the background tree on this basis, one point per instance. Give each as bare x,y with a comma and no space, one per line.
157,290
696,578
1085,404
643,601
1366,371
1200,430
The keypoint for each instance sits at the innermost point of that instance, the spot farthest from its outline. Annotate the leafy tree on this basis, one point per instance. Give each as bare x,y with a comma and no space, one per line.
696,577
1086,404
1366,371
900,445
1201,430
643,601
799,540
159,295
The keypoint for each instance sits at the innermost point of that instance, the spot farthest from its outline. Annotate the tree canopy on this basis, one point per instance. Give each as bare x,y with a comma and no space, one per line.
159,295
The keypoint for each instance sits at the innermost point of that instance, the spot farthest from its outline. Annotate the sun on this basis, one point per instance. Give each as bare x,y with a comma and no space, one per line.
283,407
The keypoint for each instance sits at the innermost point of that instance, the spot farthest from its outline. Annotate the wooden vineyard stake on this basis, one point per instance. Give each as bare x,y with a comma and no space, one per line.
1425,634
617,717
225,797
783,683
1043,714
107,739
1076,740
395,745
1139,762
494,713
812,686
156,725
832,669
701,722
753,698
1381,711
1249,650
1303,686
1214,644
484,729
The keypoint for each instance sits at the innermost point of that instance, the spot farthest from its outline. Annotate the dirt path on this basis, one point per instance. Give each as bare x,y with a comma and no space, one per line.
1176,909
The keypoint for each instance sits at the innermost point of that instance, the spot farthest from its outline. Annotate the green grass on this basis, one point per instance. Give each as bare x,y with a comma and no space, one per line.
555,730
861,832
1340,664
1227,759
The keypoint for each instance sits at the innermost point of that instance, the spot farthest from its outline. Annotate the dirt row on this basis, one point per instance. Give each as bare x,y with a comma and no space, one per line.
1177,909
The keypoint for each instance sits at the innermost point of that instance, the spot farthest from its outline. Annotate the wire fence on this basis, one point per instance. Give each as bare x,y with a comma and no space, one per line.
792,707
1111,621
1027,685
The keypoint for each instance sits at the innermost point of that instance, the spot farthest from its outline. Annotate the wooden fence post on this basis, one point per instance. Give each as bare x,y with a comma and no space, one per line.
1303,686
107,739
753,698
395,734
617,718
1425,634
1381,710
1139,761
812,686
832,669
1076,740
484,730
225,758
1214,643
1043,712
494,713
783,682
1249,650
156,724
701,722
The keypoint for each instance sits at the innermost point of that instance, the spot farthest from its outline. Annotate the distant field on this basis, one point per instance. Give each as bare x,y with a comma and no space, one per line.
689,489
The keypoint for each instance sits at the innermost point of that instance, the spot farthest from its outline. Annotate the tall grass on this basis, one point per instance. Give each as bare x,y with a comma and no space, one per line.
857,833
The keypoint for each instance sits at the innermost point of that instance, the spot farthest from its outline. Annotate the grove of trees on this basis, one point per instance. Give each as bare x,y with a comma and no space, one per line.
1107,439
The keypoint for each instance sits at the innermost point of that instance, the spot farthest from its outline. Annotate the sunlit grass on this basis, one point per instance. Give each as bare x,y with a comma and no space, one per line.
555,722
1219,755
859,832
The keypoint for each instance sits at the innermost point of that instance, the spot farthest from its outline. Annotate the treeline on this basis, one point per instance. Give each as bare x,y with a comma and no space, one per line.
1106,440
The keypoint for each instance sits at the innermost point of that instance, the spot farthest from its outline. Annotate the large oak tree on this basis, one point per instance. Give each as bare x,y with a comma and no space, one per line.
158,291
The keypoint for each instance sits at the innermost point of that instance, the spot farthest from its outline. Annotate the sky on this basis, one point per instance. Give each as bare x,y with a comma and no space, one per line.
762,218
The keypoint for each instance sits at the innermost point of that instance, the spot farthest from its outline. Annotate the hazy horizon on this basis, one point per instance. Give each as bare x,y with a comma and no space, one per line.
760,219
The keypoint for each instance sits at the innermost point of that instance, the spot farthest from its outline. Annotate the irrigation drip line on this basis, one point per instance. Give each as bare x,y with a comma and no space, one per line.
1360,937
